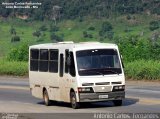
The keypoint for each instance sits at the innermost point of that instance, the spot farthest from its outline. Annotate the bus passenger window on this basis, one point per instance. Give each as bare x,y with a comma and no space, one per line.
61,65
34,57
66,57
53,61
43,62
72,65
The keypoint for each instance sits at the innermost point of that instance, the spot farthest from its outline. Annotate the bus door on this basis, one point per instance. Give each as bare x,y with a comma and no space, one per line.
67,74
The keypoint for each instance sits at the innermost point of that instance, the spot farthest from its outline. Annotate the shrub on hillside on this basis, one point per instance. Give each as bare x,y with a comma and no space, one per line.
134,48
153,25
19,53
106,30
54,28
87,35
15,39
128,17
106,26
55,38
37,33
91,28
43,28
13,31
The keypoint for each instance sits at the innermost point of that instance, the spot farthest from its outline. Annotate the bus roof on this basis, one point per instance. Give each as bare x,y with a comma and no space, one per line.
71,45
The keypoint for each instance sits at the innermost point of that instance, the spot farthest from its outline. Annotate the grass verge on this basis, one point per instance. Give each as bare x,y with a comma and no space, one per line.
13,68
142,69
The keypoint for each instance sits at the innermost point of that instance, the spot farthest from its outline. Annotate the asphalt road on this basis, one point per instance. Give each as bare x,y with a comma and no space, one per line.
15,97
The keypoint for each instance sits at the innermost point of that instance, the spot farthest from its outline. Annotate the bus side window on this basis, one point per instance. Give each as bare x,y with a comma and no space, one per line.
66,58
43,62
53,61
71,65
61,65
34,57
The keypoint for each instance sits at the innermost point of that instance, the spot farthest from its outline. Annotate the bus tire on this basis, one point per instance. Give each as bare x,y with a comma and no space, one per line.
117,102
46,98
73,100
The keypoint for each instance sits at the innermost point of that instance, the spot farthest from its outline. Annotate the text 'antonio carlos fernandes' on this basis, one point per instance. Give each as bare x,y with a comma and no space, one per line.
21,3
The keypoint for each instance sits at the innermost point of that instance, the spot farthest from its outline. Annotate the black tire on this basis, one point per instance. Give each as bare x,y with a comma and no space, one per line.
46,98
117,102
73,100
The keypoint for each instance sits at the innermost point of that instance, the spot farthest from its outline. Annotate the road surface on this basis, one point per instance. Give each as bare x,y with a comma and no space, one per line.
15,97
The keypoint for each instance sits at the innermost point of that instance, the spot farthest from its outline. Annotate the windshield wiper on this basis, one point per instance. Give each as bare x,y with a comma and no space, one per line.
111,71
89,70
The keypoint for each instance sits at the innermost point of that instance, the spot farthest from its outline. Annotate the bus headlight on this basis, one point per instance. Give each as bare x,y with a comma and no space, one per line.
119,88
85,90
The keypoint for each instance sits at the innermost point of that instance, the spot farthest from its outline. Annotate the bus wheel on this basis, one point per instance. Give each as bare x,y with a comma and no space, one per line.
74,103
117,102
46,98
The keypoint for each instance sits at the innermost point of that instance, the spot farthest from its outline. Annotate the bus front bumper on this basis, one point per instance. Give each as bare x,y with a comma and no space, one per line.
95,97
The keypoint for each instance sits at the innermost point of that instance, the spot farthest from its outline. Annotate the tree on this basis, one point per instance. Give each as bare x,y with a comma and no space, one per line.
106,30
15,39
43,28
13,31
55,13
106,26
37,34
55,38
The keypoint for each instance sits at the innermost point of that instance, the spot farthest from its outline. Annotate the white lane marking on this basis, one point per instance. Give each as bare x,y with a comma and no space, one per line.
14,87
143,91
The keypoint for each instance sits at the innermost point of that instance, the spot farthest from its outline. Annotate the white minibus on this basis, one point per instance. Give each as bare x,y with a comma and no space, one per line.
76,72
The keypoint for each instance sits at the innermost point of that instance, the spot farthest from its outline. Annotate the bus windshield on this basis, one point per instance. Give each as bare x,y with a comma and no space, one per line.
98,62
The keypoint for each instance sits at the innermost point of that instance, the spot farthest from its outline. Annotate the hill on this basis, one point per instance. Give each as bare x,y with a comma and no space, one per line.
71,9
132,24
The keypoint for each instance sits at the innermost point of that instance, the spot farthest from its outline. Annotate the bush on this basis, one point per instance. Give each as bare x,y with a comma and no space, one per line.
13,31
55,38
134,48
15,39
106,26
87,35
127,29
54,28
91,28
156,11
13,68
129,17
153,25
43,28
106,29
37,33
143,69
19,53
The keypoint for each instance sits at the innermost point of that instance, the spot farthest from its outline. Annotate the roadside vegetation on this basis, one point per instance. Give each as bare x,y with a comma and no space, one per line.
136,30
143,69
13,68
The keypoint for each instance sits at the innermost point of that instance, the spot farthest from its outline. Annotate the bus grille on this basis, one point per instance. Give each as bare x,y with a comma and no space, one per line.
102,88
102,83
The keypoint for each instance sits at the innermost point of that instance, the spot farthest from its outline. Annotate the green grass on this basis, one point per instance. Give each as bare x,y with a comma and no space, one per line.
142,69
139,70
72,30
23,29
13,68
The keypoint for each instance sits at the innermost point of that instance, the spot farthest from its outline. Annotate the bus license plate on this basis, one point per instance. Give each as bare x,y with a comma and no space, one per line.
103,96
